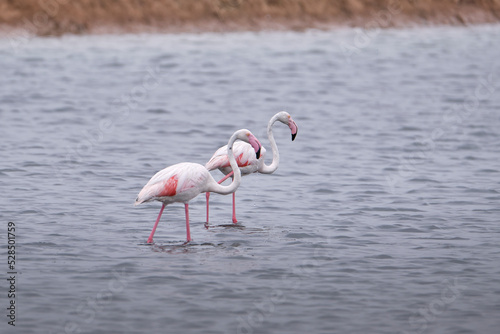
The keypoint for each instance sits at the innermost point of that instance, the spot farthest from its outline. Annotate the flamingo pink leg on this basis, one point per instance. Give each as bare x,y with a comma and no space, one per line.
188,232
208,196
234,208
150,239
226,177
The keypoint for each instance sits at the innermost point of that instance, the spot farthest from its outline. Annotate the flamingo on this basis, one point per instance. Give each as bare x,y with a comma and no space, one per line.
184,181
247,162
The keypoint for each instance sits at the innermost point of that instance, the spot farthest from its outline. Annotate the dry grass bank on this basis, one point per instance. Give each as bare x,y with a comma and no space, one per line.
54,17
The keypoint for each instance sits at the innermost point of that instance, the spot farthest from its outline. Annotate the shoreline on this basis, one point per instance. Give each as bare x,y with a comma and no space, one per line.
219,16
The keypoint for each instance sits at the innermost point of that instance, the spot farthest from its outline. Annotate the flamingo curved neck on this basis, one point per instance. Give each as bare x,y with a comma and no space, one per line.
269,169
224,190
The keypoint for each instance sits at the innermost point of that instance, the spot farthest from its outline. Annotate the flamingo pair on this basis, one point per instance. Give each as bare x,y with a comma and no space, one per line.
184,181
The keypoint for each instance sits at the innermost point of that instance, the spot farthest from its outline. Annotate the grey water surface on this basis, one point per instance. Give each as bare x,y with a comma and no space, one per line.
383,216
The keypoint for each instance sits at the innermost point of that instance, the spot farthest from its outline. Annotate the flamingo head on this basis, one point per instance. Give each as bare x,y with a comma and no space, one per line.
285,118
248,137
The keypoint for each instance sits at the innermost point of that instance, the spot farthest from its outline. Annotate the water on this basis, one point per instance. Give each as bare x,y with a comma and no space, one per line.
382,217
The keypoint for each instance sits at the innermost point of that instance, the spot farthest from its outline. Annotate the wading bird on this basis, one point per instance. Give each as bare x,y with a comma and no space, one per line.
184,181
247,162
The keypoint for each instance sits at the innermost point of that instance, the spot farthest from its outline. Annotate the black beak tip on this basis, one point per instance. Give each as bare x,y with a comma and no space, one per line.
258,153
294,135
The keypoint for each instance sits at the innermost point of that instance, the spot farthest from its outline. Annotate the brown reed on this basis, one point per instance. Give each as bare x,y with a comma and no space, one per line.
55,17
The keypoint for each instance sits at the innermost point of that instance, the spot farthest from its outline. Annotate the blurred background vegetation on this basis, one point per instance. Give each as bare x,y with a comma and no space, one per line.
55,17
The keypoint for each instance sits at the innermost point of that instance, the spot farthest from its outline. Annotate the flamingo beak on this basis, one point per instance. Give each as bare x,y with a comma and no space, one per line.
255,144
294,128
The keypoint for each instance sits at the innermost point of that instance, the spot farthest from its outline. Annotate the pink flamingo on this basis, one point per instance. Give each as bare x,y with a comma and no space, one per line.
247,162
184,181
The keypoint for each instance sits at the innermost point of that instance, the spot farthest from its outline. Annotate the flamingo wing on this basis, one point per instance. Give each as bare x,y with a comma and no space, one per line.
172,181
219,159
243,152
